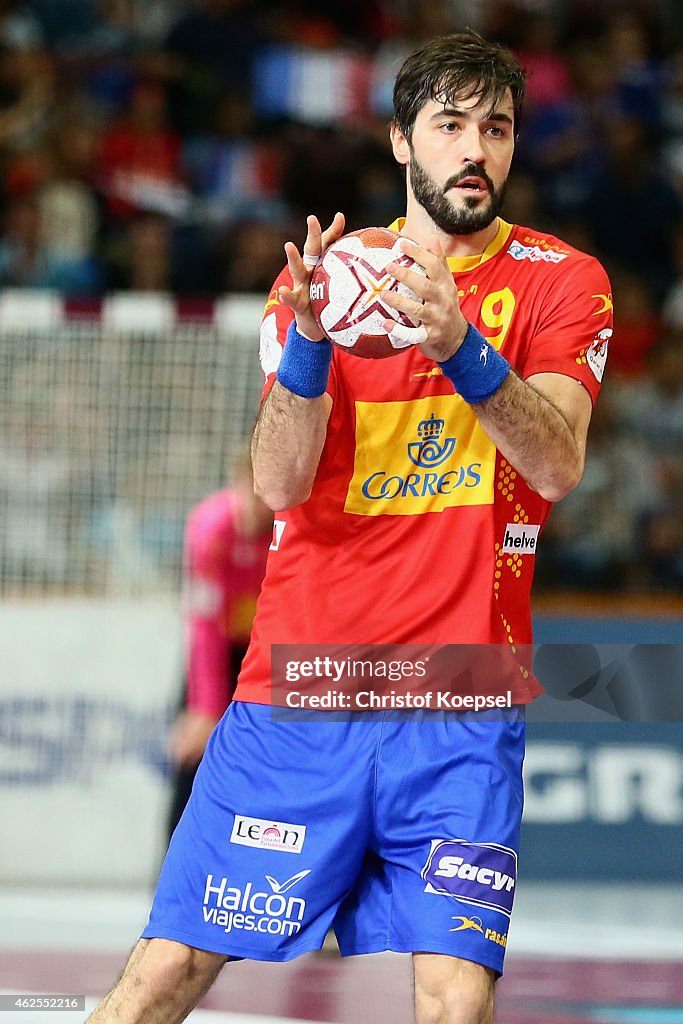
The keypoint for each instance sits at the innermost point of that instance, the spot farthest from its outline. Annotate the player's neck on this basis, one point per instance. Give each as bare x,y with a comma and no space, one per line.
420,227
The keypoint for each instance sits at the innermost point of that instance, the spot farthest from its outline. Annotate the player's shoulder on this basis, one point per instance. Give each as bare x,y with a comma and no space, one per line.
544,250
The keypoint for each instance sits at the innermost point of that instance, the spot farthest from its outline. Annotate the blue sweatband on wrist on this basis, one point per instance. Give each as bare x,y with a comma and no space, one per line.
305,365
477,370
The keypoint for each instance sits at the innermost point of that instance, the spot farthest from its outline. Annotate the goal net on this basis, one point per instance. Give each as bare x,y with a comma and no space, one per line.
112,426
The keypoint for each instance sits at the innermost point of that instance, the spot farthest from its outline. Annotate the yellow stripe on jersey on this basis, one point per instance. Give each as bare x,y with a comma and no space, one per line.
460,264
419,456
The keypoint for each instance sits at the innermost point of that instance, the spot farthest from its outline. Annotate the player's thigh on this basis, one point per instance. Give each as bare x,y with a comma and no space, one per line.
450,990
448,813
272,838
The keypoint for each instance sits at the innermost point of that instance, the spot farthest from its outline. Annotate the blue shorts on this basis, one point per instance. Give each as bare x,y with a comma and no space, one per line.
399,830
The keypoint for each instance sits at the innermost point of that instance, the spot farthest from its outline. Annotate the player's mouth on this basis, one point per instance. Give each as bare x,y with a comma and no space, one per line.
472,186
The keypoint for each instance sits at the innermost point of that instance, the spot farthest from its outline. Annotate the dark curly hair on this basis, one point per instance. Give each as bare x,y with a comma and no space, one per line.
457,66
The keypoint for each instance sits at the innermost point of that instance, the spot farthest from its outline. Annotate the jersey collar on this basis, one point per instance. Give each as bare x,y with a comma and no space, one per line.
460,264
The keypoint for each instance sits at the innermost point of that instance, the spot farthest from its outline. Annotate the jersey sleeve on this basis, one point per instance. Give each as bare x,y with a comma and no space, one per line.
574,326
273,334
206,598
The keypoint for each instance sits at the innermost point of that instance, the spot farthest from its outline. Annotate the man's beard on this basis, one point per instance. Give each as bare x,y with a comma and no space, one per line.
475,215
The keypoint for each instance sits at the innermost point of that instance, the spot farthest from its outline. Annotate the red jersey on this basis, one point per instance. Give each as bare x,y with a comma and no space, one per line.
223,573
417,529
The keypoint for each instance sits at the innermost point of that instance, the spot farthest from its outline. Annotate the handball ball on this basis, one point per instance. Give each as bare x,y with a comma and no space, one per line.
347,288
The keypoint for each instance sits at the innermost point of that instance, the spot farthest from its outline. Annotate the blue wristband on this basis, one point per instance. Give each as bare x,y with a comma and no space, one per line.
305,365
477,370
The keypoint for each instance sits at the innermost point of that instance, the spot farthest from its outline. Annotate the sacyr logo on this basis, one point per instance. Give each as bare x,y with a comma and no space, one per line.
427,451
231,907
481,874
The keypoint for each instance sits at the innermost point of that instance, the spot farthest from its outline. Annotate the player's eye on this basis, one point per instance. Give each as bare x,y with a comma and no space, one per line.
449,126
496,131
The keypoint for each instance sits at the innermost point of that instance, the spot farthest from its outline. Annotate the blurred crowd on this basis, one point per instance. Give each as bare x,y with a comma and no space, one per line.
161,145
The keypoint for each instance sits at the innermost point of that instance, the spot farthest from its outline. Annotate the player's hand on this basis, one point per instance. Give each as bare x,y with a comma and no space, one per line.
443,327
188,739
301,267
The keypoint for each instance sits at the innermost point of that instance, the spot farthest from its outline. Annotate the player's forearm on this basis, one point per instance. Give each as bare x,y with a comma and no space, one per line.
286,447
207,668
534,437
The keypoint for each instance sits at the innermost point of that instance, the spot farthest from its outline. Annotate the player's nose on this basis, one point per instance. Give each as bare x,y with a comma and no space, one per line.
472,145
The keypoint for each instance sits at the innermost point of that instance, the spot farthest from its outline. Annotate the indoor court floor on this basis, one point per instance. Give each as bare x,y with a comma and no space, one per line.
577,953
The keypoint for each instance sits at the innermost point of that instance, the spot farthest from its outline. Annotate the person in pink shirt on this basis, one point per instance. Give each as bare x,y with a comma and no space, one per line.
227,536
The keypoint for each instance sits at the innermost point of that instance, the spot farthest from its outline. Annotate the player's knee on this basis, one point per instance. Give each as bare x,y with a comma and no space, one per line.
171,966
458,998
454,1006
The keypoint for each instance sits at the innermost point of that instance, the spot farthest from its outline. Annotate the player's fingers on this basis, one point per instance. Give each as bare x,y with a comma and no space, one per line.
420,284
414,309
285,295
402,335
335,231
313,243
296,265
432,263
434,246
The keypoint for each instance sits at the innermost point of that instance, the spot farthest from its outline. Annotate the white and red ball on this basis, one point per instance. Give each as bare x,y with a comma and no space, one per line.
347,289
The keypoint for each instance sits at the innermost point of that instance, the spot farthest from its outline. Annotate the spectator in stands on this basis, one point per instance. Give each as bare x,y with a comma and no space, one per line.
637,325
69,210
141,260
652,408
650,413
321,171
233,171
26,81
563,140
546,65
640,77
592,537
30,259
246,254
210,50
140,159
632,210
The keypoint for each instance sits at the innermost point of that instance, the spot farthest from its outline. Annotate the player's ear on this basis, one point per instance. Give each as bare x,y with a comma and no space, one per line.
399,144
